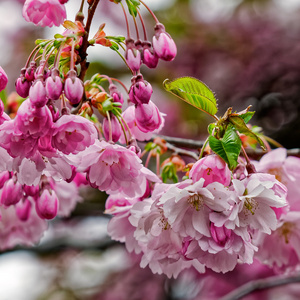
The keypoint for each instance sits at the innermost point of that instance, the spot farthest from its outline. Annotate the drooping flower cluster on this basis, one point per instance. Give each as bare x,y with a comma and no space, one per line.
53,138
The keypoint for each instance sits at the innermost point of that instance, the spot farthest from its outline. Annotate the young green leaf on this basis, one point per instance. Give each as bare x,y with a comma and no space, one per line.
240,125
194,92
228,148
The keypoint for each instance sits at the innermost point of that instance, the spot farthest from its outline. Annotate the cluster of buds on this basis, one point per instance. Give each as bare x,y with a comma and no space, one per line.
162,47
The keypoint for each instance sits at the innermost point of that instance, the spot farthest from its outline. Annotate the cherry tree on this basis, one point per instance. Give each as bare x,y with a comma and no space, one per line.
205,212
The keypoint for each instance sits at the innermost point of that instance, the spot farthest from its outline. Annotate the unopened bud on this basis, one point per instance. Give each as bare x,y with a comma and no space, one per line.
73,88
132,56
54,85
116,129
140,91
150,59
3,79
47,205
11,193
163,45
37,94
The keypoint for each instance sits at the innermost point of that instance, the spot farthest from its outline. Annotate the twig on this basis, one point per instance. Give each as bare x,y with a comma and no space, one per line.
194,144
261,284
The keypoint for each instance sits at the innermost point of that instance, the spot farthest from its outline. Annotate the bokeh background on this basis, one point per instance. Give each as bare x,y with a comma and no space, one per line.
246,51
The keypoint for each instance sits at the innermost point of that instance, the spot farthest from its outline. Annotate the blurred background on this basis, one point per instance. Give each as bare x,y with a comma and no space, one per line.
246,51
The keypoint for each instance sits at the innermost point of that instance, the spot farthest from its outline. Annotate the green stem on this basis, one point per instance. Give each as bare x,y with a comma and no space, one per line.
203,148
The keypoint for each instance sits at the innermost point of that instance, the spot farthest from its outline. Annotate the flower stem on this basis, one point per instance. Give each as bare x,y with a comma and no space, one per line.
150,11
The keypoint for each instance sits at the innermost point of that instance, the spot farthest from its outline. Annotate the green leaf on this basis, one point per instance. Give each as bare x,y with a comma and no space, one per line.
194,92
247,116
228,148
240,125
169,172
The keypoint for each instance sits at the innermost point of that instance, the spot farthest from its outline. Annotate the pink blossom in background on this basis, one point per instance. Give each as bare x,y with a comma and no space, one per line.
44,12
281,249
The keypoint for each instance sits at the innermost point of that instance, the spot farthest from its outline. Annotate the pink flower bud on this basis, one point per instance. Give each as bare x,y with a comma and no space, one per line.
147,117
213,169
37,94
73,88
150,59
11,193
22,85
54,85
140,90
163,45
30,71
23,209
220,234
132,56
3,79
63,1
47,205
116,95
115,128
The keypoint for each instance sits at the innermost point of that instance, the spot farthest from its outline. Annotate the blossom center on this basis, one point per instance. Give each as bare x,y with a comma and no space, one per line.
251,205
286,230
196,201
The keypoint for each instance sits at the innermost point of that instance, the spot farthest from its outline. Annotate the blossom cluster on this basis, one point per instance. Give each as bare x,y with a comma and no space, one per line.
210,220
51,140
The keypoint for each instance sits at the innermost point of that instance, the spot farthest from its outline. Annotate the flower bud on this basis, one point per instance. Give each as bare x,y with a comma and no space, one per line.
47,205
3,79
132,56
150,59
30,71
11,193
73,88
147,117
54,85
22,85
163,45
115,128
115,94
23,210
37,94
140,90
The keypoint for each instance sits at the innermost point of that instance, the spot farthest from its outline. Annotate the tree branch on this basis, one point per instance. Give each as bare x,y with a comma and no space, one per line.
261,284
194,144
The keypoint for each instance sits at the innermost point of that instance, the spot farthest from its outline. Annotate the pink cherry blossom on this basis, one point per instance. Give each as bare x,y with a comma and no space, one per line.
72,134
223,250
257,195
115,169
213,169
33,121
44,12
187,208
163,249
280,250
285,169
